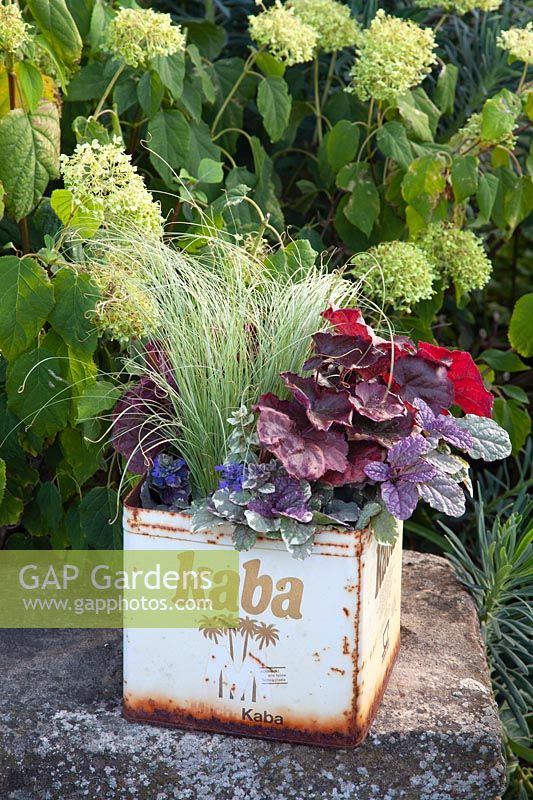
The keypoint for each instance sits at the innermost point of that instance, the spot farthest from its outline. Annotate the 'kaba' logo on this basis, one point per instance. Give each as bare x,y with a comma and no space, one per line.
258,716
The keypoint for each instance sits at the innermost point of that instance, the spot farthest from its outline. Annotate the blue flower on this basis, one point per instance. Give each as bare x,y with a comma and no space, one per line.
169,477
232,476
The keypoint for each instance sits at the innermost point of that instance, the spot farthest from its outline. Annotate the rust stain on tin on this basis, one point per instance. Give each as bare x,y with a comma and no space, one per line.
303,730
338,670
346,612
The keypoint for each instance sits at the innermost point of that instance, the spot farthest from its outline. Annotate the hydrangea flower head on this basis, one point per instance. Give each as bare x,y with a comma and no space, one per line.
139,34
458,255
285,35
126,310
102,178
13,29
393,56
400,273
519,42
332,21
461,6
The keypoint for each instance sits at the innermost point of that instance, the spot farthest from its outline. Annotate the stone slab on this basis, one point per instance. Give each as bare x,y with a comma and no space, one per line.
436,736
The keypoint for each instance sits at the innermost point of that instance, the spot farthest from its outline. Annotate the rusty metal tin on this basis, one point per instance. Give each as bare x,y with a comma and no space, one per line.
314,676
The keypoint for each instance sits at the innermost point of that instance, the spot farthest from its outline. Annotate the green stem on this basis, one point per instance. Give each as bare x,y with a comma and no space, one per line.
318,108
246,69
109,89
440,23
329,79
522,78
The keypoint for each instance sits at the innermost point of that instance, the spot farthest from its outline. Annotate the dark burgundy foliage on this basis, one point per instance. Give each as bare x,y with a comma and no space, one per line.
364,396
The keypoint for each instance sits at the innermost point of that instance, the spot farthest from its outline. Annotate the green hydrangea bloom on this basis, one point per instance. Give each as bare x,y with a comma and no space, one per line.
397,274
393,56
458,255
519,42
126,311
461,6
13,29
334,25
103,180
137,35
283,34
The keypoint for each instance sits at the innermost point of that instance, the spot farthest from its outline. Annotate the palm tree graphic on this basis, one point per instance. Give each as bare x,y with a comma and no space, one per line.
266,635
247,629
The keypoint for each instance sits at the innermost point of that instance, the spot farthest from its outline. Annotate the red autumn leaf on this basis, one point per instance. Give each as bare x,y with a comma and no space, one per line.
470,393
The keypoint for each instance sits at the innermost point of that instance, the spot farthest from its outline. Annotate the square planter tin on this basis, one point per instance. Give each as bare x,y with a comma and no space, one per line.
311,670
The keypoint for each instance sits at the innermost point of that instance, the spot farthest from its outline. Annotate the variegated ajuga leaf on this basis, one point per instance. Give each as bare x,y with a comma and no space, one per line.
243,537
491,442
385,527
446,462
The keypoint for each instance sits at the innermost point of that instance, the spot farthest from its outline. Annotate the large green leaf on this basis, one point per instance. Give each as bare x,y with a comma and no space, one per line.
445,89
11,509
71,317
99,519
169,138
422,184
200,147
84,457
521,326
150,92
464,177
29,156
171,70
342,143
58,28
37,391
486,195
499,115
97,396
515,420
31,84
89,83
362,209
26,299
393,142
274,104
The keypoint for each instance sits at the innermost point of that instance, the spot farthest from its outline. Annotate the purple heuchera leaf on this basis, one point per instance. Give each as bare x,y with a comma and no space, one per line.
289,499
418,378
135,435
323,406
374,400
284,430
360,453
349,352
442,425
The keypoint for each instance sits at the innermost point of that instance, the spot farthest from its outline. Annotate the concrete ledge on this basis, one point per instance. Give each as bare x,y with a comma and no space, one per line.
436,737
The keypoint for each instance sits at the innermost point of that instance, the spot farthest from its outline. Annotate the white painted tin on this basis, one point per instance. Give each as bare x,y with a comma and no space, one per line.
316,677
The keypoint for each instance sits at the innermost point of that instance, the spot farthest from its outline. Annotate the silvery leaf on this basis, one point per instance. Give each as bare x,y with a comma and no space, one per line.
203,519
385,527
446,462
319,518
369,511
261,524
444,494
225,508
240,498
301,551
491,442
293,532
244,537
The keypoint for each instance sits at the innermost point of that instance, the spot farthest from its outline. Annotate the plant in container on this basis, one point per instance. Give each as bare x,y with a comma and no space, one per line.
269,416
